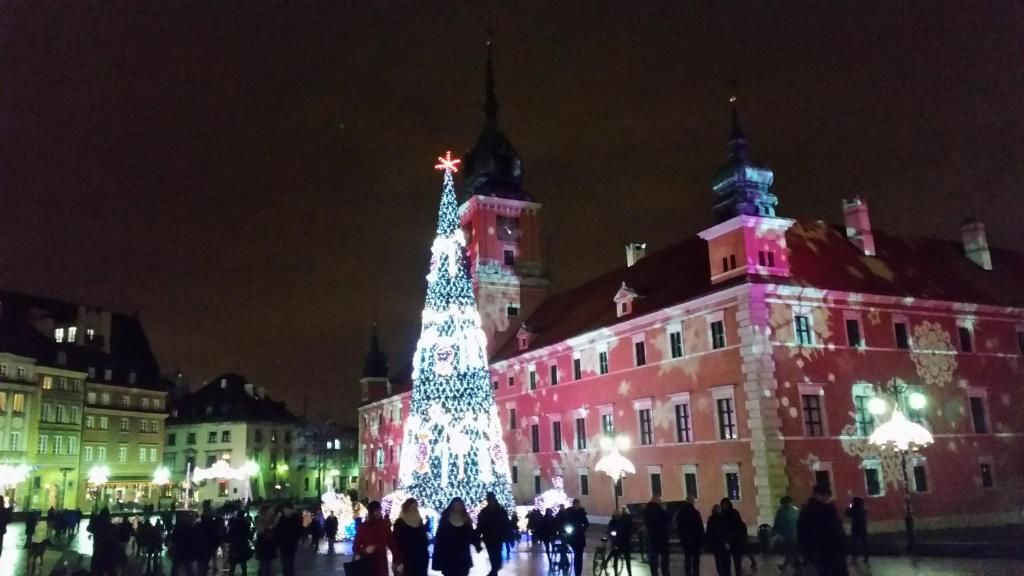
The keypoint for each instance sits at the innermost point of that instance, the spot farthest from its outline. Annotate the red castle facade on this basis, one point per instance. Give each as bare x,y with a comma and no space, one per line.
740,361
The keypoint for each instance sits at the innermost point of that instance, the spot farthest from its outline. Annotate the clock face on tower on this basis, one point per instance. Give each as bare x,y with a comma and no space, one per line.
507,228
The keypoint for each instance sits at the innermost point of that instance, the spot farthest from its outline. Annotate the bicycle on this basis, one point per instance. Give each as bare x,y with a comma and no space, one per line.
601,558
598,567
561,560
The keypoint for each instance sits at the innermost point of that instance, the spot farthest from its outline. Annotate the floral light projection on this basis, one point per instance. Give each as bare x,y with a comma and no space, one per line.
860,448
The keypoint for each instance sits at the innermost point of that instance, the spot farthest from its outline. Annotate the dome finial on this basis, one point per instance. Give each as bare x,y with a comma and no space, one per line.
737,139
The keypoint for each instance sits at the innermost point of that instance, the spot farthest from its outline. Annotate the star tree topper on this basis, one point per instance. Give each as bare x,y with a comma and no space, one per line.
446,163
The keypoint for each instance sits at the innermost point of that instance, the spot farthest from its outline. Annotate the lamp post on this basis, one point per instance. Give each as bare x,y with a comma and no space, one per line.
614,464
901,435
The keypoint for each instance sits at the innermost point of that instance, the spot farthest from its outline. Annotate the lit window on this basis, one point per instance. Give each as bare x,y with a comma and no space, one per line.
72,445
726,419
58,445
58,334
76,414
717,334
72,332
60,414
124,424
639,353
90,333
3,368
23,372
142,454
863,418
3,402
122,454
804,336
607,424
104,423
90,422
731,474
675,342
43,445
101,453
47,382
46,412
90,398
211,438
87,453
18,403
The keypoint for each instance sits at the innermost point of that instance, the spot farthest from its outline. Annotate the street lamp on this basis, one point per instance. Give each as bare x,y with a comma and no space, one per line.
902,435
614,464
98,476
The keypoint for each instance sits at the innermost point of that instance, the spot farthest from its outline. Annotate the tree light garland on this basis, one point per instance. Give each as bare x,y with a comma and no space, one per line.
452,443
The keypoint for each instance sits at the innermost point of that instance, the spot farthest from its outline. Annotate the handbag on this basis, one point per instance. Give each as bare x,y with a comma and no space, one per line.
358,567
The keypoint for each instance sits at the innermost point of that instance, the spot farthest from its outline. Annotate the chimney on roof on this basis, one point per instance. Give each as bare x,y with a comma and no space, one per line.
976,243
249,389
634,252
858,225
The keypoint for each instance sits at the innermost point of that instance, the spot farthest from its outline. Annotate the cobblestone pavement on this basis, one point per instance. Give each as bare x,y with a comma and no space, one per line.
524,561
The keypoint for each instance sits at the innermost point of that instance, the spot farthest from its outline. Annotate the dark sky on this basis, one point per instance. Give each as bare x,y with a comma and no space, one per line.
255,179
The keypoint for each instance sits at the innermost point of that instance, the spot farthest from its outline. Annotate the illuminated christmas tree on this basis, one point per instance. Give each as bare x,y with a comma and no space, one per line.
453,442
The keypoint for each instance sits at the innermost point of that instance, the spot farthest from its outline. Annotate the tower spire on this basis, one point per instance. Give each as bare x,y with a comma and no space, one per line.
738,145
375,364
490,97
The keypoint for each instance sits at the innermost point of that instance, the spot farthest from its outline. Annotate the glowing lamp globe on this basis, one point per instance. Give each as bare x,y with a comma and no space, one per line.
99,474
250,469
917,401
622,442
606,443
878,406
162,476
901,433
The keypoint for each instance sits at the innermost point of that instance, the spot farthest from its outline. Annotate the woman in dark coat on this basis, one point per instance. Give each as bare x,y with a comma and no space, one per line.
455,535
239,542
412,539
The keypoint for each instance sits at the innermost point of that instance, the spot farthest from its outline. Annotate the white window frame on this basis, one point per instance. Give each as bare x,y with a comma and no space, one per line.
967,324
819,391
651,471
912,461
580,474
808,313
670,329
638,405
721,393
642,340
728,469
690,469
863,389
676,400
823,466
901,319
711,318
606,410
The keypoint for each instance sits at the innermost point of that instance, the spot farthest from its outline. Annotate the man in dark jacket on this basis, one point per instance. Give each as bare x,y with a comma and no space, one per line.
690,526
821,536
494,528
656,521
287,533
574,525
331,531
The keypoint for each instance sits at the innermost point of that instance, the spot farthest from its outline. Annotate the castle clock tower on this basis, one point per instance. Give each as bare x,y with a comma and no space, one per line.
501,222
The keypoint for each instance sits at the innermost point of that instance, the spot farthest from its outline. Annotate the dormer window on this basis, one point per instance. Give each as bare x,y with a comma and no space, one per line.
766,258
58,334
512,310
525,337
624,300
524,342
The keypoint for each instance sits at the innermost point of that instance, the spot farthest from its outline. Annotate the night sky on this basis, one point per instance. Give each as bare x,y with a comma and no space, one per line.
255,180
